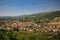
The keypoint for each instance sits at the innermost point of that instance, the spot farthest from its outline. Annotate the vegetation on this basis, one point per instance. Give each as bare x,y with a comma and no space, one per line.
24,35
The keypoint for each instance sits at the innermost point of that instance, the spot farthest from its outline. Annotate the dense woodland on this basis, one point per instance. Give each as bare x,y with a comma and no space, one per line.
39,26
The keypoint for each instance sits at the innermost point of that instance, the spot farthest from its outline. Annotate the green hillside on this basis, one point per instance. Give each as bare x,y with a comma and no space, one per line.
50,15
41,16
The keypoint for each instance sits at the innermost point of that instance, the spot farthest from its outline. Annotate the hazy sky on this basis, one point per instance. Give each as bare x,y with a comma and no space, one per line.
23,7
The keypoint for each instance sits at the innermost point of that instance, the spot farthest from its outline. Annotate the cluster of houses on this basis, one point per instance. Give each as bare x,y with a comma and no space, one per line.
9,25
27,26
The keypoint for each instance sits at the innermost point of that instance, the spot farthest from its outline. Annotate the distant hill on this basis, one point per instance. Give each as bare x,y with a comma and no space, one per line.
50,15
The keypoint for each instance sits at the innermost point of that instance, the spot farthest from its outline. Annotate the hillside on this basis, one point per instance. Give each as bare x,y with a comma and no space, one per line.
50,15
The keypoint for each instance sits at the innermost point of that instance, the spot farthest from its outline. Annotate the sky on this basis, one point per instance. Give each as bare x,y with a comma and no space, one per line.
24,7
